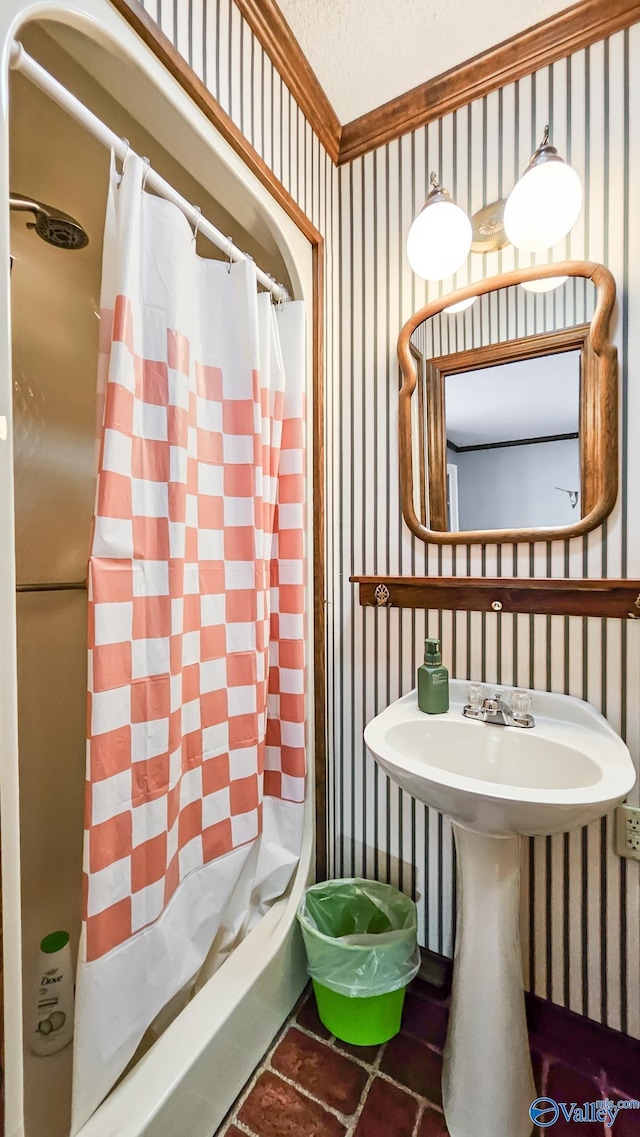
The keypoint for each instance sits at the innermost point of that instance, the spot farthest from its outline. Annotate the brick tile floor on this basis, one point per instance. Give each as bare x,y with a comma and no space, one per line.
388,1111
312,1085
414,1064
320,1070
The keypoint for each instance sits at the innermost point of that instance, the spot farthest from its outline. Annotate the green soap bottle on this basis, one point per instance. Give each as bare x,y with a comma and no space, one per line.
433,681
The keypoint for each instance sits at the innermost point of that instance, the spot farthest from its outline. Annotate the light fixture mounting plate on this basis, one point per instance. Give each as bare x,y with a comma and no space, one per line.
488,228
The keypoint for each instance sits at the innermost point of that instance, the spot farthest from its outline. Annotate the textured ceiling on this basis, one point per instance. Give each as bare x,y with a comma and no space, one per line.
365,52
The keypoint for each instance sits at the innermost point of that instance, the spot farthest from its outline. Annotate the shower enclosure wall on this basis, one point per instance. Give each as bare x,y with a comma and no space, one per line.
189,1075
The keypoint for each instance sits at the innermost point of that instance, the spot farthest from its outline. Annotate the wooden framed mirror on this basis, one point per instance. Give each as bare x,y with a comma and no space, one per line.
509,409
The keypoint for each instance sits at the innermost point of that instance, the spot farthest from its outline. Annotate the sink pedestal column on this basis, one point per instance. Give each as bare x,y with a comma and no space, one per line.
487,1078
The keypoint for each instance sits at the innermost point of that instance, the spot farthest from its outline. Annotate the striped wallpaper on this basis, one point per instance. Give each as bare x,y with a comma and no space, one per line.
507,314
581,904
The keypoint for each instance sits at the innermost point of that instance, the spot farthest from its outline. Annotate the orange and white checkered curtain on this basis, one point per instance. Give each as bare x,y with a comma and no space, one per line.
196,707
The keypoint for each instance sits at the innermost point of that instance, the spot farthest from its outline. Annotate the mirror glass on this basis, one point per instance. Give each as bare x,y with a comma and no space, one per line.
500,403
513,444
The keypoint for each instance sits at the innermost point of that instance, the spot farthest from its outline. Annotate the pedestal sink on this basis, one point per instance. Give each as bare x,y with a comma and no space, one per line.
497,783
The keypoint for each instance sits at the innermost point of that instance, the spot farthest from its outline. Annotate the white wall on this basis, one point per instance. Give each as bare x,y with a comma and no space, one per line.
513,487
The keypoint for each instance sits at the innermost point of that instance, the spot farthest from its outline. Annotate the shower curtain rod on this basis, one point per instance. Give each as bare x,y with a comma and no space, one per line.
21,61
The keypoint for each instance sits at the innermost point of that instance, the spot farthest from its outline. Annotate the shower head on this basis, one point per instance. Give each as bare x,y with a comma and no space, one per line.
54,226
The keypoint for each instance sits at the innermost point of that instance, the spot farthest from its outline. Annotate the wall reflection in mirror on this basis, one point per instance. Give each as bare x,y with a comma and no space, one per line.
513,450
498,411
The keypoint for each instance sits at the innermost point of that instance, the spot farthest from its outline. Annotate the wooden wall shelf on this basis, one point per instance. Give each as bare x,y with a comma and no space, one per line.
613,598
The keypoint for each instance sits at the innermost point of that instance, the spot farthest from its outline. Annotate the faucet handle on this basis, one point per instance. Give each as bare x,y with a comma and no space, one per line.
521,702
475,695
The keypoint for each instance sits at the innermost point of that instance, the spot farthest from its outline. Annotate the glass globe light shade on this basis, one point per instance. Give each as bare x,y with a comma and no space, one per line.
544,205
440,236
461,306
547,284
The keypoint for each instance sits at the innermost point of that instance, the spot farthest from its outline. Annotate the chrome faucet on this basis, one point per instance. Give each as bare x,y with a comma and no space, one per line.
496,711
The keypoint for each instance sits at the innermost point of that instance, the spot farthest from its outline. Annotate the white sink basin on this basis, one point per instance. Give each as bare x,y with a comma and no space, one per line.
496,783
570,769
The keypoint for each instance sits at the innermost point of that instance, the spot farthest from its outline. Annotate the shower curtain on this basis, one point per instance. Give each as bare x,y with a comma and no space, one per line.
196,723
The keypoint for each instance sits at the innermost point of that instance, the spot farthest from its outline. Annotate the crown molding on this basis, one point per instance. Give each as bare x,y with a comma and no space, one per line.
570,30
272,30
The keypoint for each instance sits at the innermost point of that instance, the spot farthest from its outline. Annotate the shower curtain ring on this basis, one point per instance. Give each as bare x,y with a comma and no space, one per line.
127,145
198,220
147,162
230,261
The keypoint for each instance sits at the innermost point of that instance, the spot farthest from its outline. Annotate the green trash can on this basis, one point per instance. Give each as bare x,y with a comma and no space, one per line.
362,951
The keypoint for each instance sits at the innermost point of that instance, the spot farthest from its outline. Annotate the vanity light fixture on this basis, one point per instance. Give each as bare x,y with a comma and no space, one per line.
541,209
544,204
461,306
440,236
488,228
547,284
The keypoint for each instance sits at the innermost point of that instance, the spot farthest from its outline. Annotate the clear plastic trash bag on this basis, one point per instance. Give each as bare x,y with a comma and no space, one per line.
360,936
